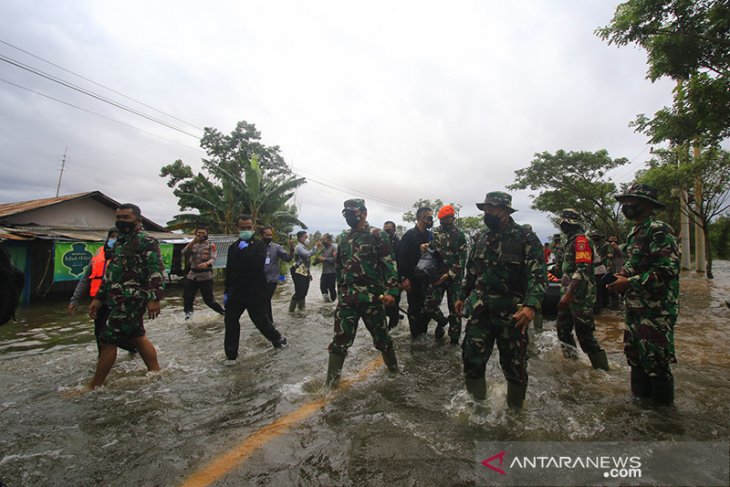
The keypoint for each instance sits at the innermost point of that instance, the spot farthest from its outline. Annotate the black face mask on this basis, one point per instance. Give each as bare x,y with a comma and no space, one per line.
567,228
492,221
390,232
352,219
203,238
268,240
125,227
429,223
631,211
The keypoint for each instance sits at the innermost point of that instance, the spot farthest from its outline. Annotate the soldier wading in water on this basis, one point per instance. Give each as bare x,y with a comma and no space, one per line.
503,288
366,281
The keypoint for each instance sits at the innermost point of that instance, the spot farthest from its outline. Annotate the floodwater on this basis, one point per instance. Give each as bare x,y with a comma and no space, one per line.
417,428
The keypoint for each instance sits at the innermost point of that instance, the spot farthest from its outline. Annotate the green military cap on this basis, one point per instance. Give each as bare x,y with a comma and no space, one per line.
641,191
497,198
355,204
570,216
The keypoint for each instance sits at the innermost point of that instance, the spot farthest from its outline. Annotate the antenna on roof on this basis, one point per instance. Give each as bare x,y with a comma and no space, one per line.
63,166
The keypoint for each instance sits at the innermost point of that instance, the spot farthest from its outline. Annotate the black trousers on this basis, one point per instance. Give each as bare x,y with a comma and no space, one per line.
259,314
301,285
206,290
270,290
417,319
393,313
327,285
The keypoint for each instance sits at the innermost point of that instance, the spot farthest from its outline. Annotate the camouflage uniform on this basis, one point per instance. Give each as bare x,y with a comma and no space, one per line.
652,297
450,243
134,276
652,300
365,270
579,280
505,268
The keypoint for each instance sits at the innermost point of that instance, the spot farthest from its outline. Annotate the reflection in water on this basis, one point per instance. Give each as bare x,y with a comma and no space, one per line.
418,428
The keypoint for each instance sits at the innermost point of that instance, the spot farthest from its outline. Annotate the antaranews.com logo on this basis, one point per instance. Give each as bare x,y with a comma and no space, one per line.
613,467
603,463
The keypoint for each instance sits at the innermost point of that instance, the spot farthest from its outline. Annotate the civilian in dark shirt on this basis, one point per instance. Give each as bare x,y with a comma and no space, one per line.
409,252
246,289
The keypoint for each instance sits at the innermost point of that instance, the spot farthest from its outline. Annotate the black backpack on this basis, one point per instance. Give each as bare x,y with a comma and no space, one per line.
11,287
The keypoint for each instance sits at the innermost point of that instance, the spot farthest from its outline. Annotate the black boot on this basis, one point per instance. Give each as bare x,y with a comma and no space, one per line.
292,304
640,383
439,332
334,367
477,388
662,392
390,361
516,395
301,304
599,360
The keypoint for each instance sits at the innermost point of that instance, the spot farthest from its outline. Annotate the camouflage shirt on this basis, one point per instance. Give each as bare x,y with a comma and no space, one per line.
135,270
452,247
652,266
578,275
364,266
505,268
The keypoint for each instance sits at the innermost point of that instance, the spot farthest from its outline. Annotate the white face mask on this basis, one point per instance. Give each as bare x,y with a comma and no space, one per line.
306,241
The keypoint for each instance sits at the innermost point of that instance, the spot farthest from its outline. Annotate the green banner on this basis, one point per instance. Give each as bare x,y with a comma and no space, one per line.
72,258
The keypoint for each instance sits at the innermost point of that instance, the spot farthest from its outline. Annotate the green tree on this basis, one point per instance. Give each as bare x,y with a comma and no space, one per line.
670,169
240,175
720,237
574,180
470,225
688,41
435,205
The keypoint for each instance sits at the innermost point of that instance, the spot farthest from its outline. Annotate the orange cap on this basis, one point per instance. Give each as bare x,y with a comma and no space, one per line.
446,210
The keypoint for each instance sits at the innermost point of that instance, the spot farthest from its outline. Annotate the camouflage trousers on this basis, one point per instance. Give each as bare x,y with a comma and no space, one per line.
479,338
126,318
649,342
347,317
578,316
432,306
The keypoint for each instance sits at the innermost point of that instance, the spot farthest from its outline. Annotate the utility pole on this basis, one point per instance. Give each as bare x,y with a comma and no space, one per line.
63,166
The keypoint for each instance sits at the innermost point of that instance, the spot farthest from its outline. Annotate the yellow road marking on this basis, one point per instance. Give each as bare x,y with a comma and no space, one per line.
240,452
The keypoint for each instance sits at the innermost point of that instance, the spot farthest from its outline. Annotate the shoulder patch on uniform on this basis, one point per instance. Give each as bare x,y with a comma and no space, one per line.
583,252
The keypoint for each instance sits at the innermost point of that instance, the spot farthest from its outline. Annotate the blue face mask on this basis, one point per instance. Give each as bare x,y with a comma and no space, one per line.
245,234
110,242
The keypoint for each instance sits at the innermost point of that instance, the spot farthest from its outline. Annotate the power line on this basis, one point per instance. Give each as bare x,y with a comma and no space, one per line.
50,77
99,84
94,113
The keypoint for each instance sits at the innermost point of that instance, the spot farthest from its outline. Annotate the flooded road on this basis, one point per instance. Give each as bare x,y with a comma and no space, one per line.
417,428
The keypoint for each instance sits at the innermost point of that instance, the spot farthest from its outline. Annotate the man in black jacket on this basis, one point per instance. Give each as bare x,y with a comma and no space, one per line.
245,289
393,312
409,253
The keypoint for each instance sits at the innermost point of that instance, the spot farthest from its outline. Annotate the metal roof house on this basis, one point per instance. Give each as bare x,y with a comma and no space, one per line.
32,232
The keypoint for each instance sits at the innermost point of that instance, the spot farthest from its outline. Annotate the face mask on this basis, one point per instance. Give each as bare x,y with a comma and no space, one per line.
306,241
429,223
203,238
352,220
390,232
566,228
245,234
125,227
268,240
631,211
110,243
326,244
492,221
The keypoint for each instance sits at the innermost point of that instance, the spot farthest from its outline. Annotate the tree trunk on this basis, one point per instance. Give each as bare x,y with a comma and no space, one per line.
708,249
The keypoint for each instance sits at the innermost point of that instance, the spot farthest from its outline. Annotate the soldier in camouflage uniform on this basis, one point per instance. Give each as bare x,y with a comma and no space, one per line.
133,283
649,281
450,243
503,288
366,281
578,292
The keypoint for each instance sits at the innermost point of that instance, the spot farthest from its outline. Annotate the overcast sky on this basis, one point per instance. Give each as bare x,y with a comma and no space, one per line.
388,101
